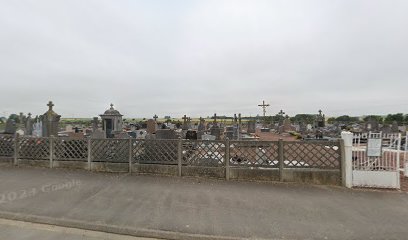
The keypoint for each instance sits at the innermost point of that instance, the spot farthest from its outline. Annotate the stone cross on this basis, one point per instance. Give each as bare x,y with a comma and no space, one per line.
50,105
239,118
184,118
155,117
281,112
235,118
320,112
264,106
215,118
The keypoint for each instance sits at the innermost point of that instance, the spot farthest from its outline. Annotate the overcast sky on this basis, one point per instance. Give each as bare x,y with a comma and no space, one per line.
200,57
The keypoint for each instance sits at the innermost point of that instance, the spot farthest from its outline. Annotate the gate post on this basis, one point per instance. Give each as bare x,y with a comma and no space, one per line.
227,159
280,156
347,159
16,147
179,155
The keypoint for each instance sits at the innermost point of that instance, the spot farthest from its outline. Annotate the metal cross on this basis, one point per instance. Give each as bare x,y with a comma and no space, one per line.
264,106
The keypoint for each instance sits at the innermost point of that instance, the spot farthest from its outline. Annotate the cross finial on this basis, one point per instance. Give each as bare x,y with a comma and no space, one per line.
50,105
281,112
111,105
215,117
155,117
320,112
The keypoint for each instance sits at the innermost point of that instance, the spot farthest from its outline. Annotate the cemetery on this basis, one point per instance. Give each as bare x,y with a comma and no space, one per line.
263,148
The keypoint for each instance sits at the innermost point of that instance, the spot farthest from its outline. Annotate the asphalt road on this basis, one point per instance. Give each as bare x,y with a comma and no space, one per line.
206,207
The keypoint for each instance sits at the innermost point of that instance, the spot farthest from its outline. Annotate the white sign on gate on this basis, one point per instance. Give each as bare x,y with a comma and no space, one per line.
374,147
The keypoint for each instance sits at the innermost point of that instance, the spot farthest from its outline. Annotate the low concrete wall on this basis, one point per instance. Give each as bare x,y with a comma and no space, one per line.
314,176
260,174
33,163
109,167
202,171
168,170
70,164
6,161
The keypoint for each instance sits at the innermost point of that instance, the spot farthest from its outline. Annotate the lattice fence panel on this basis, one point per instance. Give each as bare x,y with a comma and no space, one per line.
34,148
110,150
204,153
321,154
254,154
6,146
70,150
155,151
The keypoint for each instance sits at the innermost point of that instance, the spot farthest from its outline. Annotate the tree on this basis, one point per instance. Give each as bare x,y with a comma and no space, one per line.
378,118
398,117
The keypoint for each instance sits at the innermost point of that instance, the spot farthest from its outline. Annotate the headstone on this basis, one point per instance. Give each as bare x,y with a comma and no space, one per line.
185,123
69,128
95,123
37,128
98,134
229,132
217,132
122,135
10,126
208,137
29,125
151,126
251,127
50,121
166,134
191,135
320,120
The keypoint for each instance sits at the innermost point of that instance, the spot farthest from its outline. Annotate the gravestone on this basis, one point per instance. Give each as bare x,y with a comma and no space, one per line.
98,134
191,135
287,126
185,123
251,127
320,120
166,134
29,125
201,128
50,121
229,132
122,135
208,137
151,126
394,127
10,126
217,132
95,123
372,124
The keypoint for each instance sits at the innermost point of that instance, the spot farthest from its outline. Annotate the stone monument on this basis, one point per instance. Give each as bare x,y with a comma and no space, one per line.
50,122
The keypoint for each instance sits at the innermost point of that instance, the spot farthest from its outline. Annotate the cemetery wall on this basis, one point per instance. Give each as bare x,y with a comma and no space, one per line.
307,162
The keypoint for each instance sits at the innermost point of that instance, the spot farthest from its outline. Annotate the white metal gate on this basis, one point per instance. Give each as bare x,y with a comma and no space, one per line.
376,160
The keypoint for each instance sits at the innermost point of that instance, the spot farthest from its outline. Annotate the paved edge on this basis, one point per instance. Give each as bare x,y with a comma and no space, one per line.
135,232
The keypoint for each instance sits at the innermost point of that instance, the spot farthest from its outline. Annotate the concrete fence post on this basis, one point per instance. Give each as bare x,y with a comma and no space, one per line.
16,148
89,153
130,155
51,151
347,159
406,155
179,155
227,159
280,156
